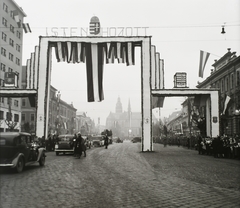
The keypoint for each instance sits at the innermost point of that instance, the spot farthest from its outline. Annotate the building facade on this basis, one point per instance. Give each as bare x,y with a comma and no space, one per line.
62,116
11,43
226,78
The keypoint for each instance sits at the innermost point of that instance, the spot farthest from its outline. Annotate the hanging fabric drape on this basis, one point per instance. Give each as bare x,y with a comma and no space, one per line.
95,55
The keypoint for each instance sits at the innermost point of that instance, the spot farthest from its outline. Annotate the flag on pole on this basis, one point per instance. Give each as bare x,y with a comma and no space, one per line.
203,60
94,67
226,103
26,27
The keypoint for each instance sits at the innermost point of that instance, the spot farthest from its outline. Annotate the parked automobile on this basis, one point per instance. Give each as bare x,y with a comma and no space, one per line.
136,139
18,150
98,141
119,140
64,144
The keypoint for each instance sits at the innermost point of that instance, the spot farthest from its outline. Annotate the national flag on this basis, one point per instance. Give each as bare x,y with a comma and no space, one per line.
94,67
157,102
110,53
203,60
130,55
26,27
226,103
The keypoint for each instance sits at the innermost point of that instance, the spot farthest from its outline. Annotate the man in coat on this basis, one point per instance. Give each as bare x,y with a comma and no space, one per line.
106,141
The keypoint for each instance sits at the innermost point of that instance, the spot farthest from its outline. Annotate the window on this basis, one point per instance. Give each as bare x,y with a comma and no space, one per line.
18,34
10,69
16,103
16,118
23,102
23,117
18,48
231,81
3,67
5,7
11,28
226,84
3,51
222,85
18,61
2,82
4,22
2,99
32,117
238,78
9,116
11,42
1,115
10,57
4,36
9,101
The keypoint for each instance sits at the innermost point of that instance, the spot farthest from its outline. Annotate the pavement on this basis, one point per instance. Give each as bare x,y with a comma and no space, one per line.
123,176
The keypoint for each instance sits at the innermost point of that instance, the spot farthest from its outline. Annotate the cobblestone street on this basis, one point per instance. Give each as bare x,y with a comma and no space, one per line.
123,176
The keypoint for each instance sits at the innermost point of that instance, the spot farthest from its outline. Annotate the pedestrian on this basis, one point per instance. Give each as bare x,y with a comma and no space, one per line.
78,146
75,145
84,147
106,141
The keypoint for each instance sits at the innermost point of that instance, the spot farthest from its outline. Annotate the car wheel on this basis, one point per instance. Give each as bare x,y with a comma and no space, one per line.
57,153
42,160
20,165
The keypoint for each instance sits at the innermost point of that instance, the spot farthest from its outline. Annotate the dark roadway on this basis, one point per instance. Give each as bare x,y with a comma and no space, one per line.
122,176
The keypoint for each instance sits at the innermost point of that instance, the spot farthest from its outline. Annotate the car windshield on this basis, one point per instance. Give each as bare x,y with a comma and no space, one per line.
97,138
65,139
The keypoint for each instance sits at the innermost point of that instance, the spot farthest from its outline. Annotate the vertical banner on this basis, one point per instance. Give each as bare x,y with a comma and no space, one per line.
153,66
32,71
36,54
162,74
28,72
157,70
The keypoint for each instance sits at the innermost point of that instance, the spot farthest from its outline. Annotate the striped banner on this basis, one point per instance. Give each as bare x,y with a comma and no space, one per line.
94,67
203,60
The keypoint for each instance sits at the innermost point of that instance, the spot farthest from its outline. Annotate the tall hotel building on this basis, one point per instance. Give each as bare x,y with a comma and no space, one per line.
11,43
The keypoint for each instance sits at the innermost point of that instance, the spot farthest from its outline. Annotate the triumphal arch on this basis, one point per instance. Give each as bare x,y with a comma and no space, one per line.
96,51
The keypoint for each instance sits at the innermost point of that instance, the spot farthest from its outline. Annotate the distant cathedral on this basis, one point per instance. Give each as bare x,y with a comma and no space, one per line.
125,124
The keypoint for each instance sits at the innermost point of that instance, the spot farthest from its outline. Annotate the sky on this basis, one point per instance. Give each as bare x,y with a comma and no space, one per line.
179,30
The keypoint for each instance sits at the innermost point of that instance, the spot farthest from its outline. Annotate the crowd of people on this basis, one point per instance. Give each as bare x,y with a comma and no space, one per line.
220,147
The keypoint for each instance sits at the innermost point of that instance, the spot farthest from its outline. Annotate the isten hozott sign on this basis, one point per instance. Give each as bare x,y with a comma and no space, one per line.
95,29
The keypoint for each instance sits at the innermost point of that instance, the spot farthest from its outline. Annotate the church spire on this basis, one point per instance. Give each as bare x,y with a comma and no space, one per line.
118,106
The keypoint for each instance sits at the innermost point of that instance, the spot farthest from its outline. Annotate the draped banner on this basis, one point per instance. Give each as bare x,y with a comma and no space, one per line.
203,60
94,64
95,54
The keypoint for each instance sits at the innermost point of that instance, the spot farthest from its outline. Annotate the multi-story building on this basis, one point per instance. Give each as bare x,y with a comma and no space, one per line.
85,124
226,77
62,115
11,43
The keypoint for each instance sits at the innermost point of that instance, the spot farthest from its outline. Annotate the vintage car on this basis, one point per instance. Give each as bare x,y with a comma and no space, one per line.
136,139
97,141
18,150
64,144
